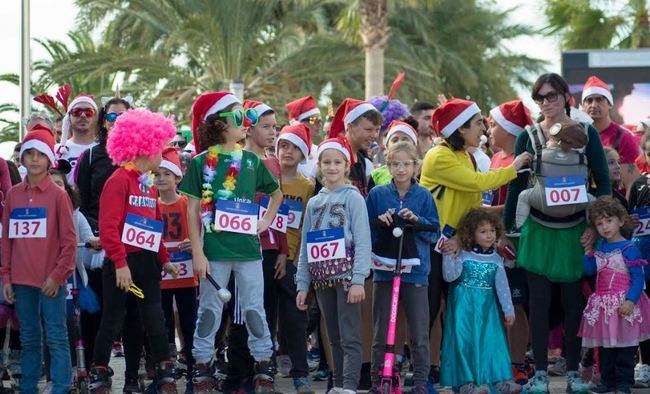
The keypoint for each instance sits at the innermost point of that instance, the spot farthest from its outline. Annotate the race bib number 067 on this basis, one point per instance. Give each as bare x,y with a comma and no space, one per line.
323,245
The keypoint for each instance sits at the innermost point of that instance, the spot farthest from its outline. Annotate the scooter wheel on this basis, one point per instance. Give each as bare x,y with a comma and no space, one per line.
385,388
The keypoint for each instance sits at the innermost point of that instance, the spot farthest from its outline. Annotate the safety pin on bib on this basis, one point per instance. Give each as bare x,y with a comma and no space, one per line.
136,291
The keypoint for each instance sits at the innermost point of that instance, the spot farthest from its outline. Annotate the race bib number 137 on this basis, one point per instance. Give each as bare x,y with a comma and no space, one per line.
28,223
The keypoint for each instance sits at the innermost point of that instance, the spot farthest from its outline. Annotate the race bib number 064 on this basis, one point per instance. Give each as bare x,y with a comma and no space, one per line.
142,232
565,190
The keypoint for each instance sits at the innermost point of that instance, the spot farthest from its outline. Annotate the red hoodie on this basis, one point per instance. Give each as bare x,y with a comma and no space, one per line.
122,195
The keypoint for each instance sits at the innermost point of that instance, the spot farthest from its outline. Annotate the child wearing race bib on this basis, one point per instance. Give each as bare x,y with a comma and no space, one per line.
38,256
293,148
564,137
405,198
617,316
130,229
221,184
335,258
474,347
173,209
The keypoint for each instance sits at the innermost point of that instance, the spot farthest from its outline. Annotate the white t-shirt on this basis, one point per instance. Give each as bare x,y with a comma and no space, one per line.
71,153
308,170
482,160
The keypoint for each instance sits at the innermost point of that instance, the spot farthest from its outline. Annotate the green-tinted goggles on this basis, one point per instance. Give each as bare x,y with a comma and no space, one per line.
238,116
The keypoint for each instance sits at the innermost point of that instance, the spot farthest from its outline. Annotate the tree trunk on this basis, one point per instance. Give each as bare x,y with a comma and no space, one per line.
374,71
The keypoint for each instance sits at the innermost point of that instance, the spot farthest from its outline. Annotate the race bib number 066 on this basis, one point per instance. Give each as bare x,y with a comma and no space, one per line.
565,190
236,217
28,223
142,232
323,245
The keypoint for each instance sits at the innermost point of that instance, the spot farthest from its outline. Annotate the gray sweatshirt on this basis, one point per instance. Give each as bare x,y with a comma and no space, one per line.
342,207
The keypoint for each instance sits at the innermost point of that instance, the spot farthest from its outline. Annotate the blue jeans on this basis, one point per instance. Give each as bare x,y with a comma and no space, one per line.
32,307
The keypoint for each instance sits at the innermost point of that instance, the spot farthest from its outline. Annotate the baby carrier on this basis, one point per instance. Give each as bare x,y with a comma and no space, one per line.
560,180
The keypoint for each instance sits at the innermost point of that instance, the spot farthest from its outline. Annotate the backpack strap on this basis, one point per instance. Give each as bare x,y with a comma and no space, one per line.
533,134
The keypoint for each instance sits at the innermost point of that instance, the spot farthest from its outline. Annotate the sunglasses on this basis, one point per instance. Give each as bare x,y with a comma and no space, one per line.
550,98
180,144
112,116
314,119
77,112
238,116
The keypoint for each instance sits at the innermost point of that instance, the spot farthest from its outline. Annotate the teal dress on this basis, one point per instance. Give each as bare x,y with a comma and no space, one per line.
474,347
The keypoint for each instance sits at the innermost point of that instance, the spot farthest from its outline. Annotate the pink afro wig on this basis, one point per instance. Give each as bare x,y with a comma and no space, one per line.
139,132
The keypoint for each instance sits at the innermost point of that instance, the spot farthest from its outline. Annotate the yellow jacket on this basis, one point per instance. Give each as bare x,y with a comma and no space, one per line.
453,170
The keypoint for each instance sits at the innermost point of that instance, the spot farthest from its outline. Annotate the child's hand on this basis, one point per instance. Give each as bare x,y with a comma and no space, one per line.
387,218
171,269
588,237
356,294
123,278
50,288
451,247
510,320
280,266
185,245
627,308
408,215
301,301
261,227
200,265
94,243
8,292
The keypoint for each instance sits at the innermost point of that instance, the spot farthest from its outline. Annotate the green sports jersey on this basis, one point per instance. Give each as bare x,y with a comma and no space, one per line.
253,177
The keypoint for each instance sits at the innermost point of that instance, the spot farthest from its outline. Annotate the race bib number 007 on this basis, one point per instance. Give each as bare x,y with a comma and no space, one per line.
323,245
142,232
565,190
236,217
28,223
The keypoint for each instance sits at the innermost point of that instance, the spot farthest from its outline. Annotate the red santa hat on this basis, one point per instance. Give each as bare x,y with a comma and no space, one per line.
66,124
340,144
206,105
596,86
452,114
349,111
171,161
301,109
41,138
397,126
513,116
299,136
258,106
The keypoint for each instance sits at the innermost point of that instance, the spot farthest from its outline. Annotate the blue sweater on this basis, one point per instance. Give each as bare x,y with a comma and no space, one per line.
631,255
419,200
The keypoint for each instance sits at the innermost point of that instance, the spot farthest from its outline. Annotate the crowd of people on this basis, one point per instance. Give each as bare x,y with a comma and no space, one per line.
262,253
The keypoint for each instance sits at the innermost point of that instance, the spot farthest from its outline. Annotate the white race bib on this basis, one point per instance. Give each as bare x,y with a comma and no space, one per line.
323,245
236,217
447,233
295,212
141,232
28,223
281,219
565,190
182,259
642,228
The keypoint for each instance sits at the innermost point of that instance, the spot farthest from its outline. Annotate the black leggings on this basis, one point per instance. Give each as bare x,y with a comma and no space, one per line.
573,302
437,287
187,305
145,271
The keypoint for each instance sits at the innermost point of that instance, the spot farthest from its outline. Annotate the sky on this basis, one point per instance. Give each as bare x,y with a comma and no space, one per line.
53,22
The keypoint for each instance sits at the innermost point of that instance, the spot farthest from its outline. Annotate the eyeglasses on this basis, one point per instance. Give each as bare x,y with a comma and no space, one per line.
77,112
112,116
395,165
549,97
314,119
238,116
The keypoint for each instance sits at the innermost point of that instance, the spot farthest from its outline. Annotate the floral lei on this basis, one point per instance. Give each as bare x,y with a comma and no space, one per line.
145,179
229,184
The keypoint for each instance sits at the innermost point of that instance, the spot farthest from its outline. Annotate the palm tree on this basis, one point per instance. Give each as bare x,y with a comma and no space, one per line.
374,31
584,24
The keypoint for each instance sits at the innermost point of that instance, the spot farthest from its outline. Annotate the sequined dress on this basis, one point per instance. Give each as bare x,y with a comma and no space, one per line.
602,325
474,347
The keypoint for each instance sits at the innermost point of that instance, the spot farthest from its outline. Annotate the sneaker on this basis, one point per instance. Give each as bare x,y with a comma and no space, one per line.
537,384
471,388
131,386
284,365
202,377
601,389
587,373
264,377
558,368
302,386
336,390
519,375
118,351
642,376
321,375
575,384
508,387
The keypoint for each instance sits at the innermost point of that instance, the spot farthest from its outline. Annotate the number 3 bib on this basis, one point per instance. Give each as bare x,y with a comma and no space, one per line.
28,223
142,232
